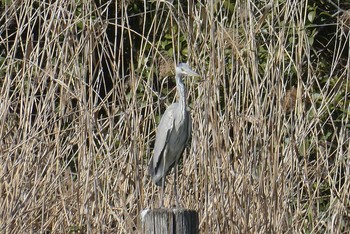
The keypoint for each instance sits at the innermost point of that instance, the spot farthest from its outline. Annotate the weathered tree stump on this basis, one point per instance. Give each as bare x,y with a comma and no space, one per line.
166,221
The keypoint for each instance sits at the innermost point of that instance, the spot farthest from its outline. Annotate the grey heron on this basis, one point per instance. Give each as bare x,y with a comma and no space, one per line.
173,132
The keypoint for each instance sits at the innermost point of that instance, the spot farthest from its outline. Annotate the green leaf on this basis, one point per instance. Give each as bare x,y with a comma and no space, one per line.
311,15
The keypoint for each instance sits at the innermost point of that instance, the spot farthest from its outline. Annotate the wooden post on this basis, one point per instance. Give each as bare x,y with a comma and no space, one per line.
169,221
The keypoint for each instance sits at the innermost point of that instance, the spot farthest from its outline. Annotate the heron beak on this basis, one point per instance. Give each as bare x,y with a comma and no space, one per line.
192,73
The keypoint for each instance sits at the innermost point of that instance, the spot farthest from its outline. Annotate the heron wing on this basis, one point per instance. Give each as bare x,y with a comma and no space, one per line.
164,129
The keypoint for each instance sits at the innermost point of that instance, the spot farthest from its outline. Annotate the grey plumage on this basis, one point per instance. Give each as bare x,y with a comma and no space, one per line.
173,132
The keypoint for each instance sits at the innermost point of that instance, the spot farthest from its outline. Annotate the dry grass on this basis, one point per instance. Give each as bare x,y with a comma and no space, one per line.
79,110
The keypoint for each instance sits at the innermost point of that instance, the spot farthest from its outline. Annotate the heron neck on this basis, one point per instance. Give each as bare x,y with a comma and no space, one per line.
182,93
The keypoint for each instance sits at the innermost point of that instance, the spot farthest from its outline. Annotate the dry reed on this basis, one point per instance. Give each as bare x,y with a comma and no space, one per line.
79,109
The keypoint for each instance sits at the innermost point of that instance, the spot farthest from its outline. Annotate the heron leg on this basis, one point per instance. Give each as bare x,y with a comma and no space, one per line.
175,185
161,201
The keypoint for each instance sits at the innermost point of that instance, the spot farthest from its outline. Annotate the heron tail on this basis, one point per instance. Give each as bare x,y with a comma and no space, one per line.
153,174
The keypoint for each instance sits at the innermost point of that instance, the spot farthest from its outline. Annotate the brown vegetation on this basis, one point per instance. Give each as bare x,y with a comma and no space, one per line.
80,100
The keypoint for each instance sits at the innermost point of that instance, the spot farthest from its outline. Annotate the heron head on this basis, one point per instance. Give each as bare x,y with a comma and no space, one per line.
183,69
